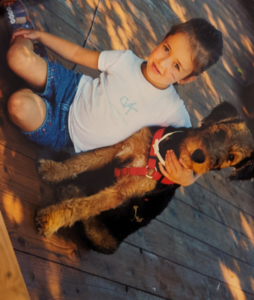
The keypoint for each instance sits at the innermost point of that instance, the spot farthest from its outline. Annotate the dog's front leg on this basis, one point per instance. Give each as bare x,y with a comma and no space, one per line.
54,172
66,213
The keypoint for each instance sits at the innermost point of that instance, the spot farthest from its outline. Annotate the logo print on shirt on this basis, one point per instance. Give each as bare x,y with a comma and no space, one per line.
125,103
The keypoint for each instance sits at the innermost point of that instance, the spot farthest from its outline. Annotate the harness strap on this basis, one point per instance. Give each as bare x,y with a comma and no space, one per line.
151,164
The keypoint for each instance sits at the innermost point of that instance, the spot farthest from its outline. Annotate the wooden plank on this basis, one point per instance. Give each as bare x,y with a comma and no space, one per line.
64,252
119,269
56,281
179,247
206,229
232,192
213,206
48,280
19,176
12,285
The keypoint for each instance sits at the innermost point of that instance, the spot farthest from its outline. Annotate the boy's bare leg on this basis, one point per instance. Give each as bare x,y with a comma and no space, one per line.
26,64
27,110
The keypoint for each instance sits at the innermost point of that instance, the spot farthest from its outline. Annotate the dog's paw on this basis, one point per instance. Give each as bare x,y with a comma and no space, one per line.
44,223
49,170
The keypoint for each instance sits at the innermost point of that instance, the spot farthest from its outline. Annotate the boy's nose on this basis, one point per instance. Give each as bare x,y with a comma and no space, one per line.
163,64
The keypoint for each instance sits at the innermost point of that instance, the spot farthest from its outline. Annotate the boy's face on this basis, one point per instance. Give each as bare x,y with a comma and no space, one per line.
170,62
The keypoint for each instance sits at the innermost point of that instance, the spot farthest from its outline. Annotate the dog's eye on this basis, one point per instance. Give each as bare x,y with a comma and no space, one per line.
231,157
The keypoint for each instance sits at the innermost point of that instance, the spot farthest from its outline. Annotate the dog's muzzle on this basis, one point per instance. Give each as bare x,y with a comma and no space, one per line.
198,156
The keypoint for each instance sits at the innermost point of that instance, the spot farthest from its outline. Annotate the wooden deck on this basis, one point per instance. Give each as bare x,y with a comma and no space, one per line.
202,246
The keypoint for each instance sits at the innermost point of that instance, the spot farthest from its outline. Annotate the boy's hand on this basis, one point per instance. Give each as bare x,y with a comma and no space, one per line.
176,170
26,33
6,3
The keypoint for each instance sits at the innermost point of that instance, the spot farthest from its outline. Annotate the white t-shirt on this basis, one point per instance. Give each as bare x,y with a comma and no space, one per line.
109,109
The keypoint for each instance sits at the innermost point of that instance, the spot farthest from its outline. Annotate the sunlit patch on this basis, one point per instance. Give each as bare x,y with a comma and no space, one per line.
115,41
179,10
41,7
198,115
249,115
13,153
235,45
237,266
13,208
69,4
222,28
148,26
209,15
123,37
92,3
210,86
80,4
107,3
233,282
54,277
244,245
182,190
126,19
247,43
226,66
247,228
252,283
133,9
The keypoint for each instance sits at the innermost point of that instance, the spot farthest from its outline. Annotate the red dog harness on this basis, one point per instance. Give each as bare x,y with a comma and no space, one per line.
151,164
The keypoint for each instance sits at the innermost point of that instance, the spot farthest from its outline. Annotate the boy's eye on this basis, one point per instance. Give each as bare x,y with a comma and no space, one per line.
176,66
166,49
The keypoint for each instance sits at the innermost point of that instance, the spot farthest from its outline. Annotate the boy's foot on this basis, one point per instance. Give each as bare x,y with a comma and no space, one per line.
18,18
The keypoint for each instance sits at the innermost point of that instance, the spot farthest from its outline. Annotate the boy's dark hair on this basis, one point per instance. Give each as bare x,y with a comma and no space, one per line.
205,40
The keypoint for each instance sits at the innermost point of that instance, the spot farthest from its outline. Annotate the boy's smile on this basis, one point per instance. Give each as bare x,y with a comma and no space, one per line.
170,62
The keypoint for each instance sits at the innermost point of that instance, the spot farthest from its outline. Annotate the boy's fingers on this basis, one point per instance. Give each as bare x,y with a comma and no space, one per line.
163,171
183,164
169,163
24,33
173,161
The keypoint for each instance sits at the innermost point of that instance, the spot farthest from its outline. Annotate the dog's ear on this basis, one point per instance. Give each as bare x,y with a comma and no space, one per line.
244,170
222,112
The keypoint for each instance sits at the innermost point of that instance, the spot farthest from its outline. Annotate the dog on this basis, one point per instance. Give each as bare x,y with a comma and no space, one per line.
131,201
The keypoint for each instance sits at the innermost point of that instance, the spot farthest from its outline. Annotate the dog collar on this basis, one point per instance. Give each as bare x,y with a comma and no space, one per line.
154,154
156,146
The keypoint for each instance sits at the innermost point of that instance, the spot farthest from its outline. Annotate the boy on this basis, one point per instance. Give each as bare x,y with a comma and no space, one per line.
73,109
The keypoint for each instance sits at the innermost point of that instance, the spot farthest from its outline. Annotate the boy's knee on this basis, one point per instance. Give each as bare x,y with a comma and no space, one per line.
17,105
18,57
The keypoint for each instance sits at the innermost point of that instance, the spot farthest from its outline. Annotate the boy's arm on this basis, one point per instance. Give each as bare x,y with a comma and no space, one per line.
177,171
68,50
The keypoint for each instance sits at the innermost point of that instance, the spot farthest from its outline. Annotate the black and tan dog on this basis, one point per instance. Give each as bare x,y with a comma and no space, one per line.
132,201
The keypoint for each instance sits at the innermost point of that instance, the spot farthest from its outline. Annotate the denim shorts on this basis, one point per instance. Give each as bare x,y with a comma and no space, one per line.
58,95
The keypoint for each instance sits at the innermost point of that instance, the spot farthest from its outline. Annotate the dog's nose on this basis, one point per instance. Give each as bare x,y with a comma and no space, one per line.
198,156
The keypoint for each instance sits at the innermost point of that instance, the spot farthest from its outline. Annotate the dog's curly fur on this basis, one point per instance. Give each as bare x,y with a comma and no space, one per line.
111,214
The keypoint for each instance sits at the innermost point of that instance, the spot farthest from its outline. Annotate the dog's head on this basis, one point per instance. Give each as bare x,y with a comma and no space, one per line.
222,141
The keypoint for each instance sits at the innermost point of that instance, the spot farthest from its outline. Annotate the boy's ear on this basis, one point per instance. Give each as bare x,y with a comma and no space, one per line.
187,80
